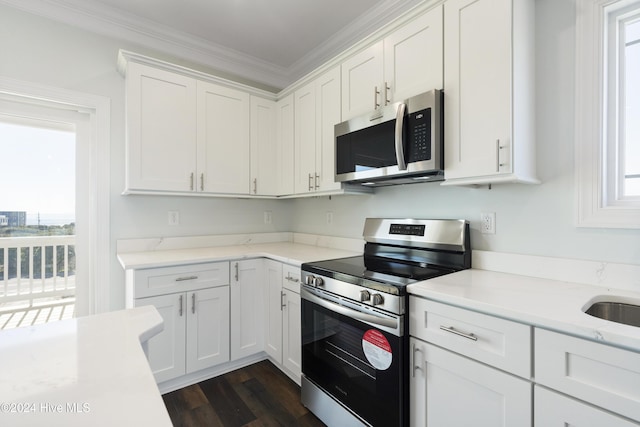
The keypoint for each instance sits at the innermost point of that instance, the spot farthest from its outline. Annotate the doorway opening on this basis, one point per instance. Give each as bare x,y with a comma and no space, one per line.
37,221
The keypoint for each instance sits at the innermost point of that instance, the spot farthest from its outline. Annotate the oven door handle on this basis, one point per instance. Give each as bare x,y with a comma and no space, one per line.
341,309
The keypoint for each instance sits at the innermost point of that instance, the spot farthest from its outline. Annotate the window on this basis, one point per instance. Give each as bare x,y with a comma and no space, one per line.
608,113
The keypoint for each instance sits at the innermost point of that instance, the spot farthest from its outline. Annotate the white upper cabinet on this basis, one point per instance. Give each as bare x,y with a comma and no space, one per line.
407,62
161,129
413,57
362,77
317,111
285,137
189,135
265,159
223,140
488,87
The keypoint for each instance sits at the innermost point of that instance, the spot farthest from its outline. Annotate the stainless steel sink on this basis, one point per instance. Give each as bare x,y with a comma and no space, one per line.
628,314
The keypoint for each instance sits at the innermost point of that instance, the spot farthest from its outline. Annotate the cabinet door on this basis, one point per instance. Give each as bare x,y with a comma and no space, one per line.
273,310
247,308
413,56
165,351
557,410
292,334
362,79
477,87
285,146
327,116
207,328
223,140
451,390
264,154
161,129
305,139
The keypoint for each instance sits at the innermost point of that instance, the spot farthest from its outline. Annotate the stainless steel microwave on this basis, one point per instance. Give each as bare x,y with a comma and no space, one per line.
397,144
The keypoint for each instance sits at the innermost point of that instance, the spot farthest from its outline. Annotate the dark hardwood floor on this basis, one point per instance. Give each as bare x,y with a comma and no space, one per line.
258,395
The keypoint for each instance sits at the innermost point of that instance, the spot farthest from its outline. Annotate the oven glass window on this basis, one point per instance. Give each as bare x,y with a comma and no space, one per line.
333,357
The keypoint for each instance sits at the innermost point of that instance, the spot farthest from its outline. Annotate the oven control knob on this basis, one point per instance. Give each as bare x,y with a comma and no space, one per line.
317,281
377,299
365,295
309,280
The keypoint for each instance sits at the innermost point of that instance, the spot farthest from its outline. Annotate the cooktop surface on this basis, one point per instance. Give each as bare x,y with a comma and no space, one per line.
369,271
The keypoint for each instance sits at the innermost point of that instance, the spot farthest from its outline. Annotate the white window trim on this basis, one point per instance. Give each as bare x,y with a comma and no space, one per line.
97,239
593,210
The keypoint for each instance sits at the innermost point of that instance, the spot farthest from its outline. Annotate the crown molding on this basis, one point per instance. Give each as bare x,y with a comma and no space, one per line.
107,21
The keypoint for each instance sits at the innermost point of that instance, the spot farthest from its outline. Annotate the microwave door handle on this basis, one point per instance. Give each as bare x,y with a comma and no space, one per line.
402,165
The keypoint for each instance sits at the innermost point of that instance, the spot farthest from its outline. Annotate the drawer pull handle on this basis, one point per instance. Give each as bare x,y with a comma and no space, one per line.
193,303
292,279
183,279
283,304
462,334
180,305
415,350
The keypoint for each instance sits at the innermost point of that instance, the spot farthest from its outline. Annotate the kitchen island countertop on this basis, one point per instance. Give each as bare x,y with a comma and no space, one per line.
89,371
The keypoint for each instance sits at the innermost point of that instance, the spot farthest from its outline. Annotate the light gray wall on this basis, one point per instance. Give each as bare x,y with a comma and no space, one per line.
530,219
536,219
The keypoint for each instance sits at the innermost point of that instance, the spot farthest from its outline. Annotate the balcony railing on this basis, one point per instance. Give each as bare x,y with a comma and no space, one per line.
37,279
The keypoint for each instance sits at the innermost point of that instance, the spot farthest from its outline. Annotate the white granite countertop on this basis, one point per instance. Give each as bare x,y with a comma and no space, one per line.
290,253
89,371
550,304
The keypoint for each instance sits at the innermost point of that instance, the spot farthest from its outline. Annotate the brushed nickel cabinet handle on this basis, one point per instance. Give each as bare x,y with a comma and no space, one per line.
414,366
185,278
376,92
237,272
202,182
283,304
450,329
180,305
387,89
193,303
191,185
316,181
255,185
310,184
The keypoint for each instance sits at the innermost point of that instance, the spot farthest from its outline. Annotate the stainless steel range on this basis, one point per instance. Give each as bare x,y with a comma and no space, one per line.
355,355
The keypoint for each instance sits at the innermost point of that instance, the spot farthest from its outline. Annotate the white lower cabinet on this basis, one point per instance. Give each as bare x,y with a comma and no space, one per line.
220,316
451,390
196,322
468,368
283,310
596,373
557,410
247,308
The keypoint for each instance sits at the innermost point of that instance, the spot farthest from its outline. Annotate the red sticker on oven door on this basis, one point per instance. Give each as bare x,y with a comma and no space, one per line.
377,349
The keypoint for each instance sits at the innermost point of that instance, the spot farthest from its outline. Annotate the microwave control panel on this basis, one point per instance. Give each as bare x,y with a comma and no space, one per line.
419,136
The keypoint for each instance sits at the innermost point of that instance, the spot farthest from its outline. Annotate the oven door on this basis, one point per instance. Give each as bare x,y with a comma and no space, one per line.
358,358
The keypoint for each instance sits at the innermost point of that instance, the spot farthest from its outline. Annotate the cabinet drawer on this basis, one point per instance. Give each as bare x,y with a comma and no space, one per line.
557,410
291,278
605,376
496,342
166,280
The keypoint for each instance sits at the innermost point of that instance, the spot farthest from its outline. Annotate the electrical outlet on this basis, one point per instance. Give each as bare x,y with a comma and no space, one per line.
174,218
268,217
329,218
488,223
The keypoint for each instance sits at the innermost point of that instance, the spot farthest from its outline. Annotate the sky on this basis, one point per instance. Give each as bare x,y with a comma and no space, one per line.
37,173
